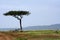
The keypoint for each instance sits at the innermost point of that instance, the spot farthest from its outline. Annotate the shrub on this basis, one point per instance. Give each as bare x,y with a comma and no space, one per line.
21,39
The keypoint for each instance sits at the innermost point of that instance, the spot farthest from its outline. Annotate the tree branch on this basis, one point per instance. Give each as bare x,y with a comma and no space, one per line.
21,16
17,17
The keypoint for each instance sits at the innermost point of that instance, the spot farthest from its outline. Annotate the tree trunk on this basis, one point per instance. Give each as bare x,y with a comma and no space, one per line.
21,25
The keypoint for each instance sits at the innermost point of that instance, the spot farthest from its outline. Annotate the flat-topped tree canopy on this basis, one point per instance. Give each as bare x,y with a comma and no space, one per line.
18,15
13,13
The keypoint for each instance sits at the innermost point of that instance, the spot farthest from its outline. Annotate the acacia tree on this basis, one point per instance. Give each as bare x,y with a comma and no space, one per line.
18,15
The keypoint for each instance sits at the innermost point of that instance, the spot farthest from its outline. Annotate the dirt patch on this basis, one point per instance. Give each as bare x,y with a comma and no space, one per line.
11,36
5,37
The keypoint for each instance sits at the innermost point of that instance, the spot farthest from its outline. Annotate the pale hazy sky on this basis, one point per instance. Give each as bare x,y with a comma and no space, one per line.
43,12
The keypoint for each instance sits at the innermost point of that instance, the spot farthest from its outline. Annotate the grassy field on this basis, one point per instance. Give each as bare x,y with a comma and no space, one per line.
31,35
43,34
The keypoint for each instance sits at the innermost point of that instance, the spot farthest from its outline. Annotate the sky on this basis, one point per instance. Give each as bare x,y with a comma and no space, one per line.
43,12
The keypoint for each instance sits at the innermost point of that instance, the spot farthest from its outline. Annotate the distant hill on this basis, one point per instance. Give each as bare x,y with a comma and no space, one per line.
7,29
44,27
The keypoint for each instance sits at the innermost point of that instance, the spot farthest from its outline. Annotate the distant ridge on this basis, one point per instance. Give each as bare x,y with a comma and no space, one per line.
7,29
43,27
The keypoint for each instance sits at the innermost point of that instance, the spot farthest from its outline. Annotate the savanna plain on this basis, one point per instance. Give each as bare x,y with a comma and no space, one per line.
30,35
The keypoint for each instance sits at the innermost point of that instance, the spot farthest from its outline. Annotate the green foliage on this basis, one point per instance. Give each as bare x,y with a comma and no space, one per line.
21,39
17,13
